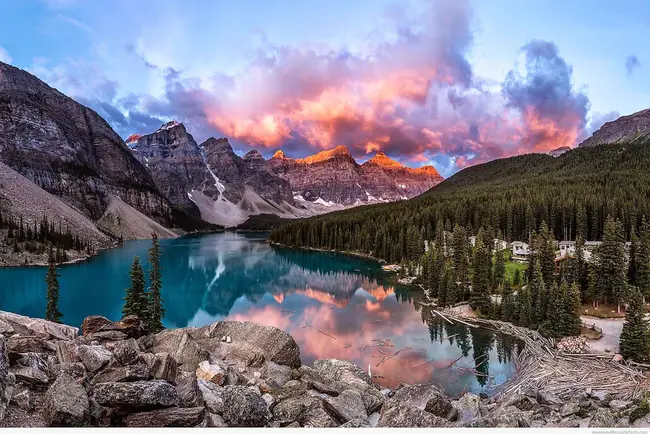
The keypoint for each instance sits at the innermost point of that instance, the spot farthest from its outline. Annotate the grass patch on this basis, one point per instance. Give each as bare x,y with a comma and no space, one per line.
602,311
512,267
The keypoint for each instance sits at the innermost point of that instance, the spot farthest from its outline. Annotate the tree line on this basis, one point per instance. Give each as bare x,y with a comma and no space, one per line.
146,304
40,237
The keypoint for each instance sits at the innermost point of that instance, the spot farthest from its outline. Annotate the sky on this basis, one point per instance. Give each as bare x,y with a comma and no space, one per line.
444,82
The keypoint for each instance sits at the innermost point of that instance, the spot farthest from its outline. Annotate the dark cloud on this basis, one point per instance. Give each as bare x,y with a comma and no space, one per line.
631,64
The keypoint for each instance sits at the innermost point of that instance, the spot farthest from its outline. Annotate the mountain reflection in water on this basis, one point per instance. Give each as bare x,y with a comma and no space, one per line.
334,306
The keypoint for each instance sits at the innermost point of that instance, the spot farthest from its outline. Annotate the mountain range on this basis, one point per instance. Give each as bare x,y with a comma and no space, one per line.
164,181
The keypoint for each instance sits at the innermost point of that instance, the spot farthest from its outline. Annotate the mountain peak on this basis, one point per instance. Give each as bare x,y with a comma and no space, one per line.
279,154
428,170
132,140
340,150
169,125
624,129
559,151
253,154
381,159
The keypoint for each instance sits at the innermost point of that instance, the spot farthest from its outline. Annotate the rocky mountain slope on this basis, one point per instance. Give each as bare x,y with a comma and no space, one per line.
21,197
624,129
242,374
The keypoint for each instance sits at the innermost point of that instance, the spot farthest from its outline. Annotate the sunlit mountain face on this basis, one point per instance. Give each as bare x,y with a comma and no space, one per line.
334,306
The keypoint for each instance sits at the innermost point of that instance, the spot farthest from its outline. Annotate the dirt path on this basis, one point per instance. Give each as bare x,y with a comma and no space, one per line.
611,333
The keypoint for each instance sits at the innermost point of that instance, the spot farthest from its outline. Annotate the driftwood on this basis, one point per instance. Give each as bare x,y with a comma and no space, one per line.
541,367
441,316
392,355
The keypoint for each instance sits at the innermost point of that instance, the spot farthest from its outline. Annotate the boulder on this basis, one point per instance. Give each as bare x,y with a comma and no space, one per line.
76,370
269,399
276,345
290,389
94,357
619,405
108,335
26,326
6,379
31,369
27,344
164,367
548,398
126,352
211,372
100,416
131,326
425,397
67,352
401,416
603,418
167,417
66,403
468,407
187,387
136,395
24,399
94,324
181,346
315,416
356,423
122,373
244,408
347,406
505,417
601,396
292,409
212,396
280,374
569,409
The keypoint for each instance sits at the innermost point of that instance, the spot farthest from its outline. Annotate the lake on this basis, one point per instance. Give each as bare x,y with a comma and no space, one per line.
335,306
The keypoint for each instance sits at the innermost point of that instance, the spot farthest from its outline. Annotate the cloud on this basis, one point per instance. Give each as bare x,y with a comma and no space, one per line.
599,119
411,93
4,55
632,63
75,23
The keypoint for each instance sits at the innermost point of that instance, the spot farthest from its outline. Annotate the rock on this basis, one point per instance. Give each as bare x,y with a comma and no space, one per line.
66,403
94,357
164,367
276,345
603,418
292,409
24,399
108,335
40,328
373,419
123,373
211,372
548,398
401,416
76,370
27,344
642,422
356,423
228,340
66,352
136,395
216,421
425,397
126,352
181,346
130,325
278,373
269,399
94,324
506,417
570,408
315,416
99,415
617,358
167,417
468,407
323,388
187,387
244,408
212,396
619,405
291,388
31,369
601,396
347,406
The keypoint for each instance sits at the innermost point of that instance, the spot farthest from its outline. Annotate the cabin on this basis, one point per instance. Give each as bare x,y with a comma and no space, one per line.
499,245
566,248
520,251
591,245
472,240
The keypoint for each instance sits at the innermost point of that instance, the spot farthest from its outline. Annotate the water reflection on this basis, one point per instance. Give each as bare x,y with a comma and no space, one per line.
334,306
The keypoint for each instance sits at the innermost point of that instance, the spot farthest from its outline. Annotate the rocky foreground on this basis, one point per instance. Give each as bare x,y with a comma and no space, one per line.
238,374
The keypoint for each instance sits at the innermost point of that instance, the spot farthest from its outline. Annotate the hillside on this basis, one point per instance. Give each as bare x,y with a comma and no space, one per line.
573,193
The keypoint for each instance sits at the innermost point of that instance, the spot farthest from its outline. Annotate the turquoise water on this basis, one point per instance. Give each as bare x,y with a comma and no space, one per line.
335,306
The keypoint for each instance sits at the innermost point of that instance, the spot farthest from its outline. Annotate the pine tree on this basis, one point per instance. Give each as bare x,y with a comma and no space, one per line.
537,289
480,296
525,307
135,299
631,267
572,307
499,269
635,336
507,303
609,275
52,312
156,310
643,260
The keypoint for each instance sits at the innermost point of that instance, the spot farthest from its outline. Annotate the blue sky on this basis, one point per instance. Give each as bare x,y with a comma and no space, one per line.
440,82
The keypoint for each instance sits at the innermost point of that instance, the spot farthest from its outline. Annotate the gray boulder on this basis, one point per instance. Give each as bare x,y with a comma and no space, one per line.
94,357
36,327
212,396
619,404
601,396
167,417
505,417
187,387
126,352
180,345
570,408
76,370
603,418
164,367
277,346
123,373
31,369
467,407
24,399
425,397
66,403
292,409
347,406
548,398
401,416
356,423
6,379
244,408
137,394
